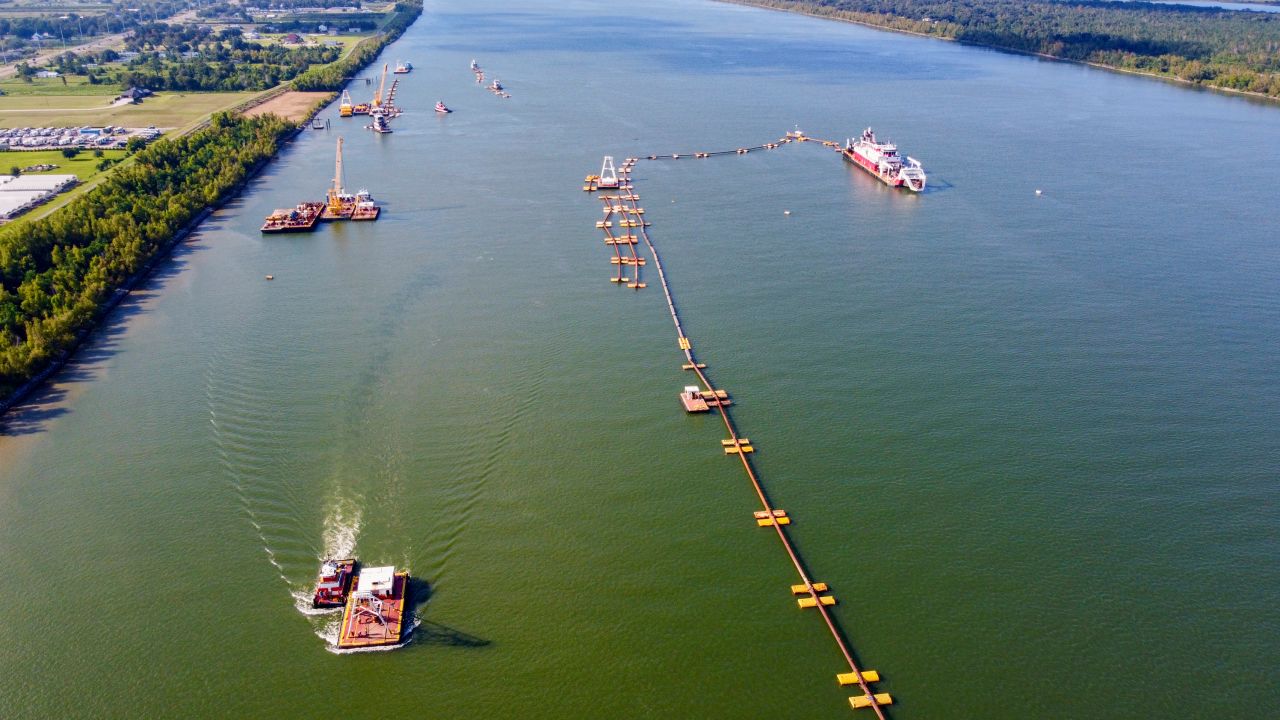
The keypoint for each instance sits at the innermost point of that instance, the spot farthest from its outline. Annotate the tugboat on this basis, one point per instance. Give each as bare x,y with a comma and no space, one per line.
334,583
882,160
291,220
380,124
403,68
496,86
442,108
365,208
374,616
475,66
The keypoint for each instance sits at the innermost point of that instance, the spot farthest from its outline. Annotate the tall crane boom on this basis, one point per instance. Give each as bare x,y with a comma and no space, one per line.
336,191
377,99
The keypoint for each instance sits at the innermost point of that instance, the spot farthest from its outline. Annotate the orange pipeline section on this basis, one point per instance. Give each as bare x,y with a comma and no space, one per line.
813,594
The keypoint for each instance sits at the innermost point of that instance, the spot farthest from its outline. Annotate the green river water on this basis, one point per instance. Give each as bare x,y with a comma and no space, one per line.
1031,442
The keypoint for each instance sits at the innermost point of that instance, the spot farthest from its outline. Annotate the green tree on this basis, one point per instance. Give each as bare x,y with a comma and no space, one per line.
15,171
69,153
97,152
135,144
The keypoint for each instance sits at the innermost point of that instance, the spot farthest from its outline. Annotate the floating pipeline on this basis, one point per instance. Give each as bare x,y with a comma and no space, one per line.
624,208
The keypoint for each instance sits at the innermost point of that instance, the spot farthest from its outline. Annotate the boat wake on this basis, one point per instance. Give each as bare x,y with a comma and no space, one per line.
341,528
246,433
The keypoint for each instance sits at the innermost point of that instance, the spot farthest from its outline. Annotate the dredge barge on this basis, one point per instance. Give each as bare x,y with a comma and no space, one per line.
882,160
301,218
375,610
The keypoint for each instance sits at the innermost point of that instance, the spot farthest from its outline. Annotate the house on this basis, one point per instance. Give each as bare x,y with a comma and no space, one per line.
47,74
134,94
293,38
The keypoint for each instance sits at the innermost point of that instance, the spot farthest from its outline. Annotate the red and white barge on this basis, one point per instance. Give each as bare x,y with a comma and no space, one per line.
882,160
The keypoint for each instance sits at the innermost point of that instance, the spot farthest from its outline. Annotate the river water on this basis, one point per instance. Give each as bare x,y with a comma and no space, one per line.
1030,441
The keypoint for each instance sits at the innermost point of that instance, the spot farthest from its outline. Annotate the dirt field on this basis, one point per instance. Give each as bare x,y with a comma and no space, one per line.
292,105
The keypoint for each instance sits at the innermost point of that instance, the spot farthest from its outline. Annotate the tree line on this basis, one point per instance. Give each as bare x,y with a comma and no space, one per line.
119,18
1215,47
336,75
219,66
57,273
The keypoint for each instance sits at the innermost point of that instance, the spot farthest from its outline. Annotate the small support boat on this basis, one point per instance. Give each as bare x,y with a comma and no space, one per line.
442,108
335,580
692,400
380,124
403,68
365,208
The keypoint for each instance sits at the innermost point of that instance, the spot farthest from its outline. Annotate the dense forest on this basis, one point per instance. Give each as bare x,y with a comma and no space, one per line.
188,57
336,75
56,273
1208,46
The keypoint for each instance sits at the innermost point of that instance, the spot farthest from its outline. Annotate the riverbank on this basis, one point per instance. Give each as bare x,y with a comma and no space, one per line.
302,106
154,260
825,13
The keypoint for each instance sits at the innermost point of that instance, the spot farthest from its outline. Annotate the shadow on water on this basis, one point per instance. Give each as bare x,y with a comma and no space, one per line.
50,401
429,632
434,633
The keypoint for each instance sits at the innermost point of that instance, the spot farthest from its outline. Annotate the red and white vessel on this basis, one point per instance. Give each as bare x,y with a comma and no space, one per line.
882,160
334,583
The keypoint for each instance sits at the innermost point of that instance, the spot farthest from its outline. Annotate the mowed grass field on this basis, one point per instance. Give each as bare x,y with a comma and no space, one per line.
165,110
75,85
83,166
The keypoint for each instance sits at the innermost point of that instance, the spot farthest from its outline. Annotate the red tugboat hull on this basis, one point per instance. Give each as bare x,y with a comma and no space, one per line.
334,584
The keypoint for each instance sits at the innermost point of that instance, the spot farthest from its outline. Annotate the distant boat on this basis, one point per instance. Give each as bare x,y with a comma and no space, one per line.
402,67
496,86
475,67
441,107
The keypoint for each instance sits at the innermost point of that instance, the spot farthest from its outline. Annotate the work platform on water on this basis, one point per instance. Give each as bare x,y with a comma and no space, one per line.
622,210
375,610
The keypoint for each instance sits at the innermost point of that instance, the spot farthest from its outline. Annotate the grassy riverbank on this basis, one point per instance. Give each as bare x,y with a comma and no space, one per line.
58,273
61,273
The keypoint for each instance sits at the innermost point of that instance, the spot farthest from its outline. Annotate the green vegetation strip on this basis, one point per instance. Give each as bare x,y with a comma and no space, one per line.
1224,49
60,273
